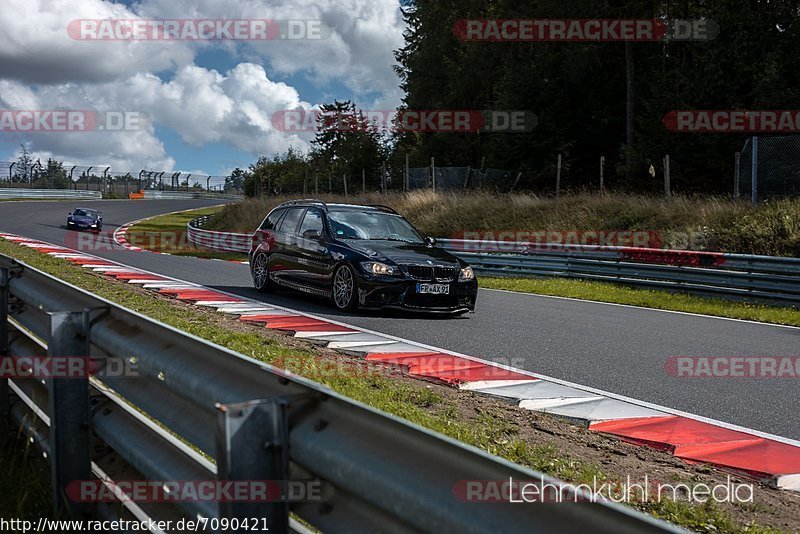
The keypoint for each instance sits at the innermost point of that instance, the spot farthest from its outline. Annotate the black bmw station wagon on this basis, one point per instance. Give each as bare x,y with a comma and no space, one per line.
359,257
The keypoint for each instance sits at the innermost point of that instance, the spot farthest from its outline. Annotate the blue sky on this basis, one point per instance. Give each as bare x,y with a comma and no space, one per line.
209,104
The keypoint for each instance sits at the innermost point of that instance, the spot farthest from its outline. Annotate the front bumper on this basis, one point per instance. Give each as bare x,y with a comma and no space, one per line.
83,226
378,292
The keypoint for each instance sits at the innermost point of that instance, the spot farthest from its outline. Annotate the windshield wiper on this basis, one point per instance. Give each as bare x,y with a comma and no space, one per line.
391,239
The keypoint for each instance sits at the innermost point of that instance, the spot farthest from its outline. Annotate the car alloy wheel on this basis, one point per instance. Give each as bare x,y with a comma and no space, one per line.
261,273
344,288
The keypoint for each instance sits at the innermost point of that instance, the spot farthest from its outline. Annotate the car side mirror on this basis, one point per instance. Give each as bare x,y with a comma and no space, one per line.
312,235
430,241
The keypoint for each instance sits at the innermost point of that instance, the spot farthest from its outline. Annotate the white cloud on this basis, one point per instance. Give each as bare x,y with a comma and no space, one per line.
41,67
36,47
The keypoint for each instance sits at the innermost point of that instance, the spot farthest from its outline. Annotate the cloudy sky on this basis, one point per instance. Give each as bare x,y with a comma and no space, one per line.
208,104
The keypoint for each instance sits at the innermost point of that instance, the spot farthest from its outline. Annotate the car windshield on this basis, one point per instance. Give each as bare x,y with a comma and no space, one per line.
83,213
372,226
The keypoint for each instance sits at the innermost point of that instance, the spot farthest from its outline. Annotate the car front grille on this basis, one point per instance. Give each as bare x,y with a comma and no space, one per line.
445,274
420,272
429,273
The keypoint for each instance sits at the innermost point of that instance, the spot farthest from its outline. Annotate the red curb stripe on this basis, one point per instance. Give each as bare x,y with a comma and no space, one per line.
262,319
669,433
139,276
397,357
762,458
284,324
207,296
699,442
122,274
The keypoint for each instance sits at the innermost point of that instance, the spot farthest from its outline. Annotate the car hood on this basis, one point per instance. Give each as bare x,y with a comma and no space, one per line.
83,219
403,253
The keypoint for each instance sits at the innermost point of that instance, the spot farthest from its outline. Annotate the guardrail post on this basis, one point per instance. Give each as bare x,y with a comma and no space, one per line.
4,348
70,440
252,445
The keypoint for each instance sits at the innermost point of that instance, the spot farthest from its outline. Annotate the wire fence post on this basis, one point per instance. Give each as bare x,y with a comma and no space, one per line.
754,190
667,178
363,181
558,176
344,181
433,174
405,176
68,408
602,172
736,175
383,177
316,184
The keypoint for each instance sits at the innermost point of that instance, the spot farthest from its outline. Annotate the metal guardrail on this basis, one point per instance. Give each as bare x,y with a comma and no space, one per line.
186,195
191,401
774,279
49,194
763,278
220,241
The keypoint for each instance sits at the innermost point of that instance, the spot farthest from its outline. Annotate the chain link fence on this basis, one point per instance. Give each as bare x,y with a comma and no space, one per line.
769,167
102,178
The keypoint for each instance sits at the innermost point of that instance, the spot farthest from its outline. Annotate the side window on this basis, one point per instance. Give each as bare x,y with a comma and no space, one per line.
289,223
271,222
312,221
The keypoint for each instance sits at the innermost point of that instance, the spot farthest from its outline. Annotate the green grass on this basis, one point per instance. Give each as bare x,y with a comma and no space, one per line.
662,300
694,223
167,233
406,399
24,478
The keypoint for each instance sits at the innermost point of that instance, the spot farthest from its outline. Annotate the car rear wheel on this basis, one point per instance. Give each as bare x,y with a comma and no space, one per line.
261,279
345,289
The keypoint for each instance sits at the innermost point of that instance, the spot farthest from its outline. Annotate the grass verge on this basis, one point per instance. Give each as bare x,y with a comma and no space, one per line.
543,443
167,233
646,298
24,477
681,222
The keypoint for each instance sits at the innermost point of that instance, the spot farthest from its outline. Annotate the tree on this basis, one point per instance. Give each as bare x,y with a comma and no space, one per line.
346,143
24,166
53,175
235,180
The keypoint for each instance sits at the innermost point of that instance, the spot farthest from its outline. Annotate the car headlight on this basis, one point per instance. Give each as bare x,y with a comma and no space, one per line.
466,274
377,268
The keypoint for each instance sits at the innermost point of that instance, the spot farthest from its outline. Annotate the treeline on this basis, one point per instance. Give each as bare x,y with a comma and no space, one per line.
579,90
347,148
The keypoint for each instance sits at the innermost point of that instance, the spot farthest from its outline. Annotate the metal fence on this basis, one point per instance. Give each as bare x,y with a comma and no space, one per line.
51,194
219,241
104,178
769,167
195,411
762,278
460,179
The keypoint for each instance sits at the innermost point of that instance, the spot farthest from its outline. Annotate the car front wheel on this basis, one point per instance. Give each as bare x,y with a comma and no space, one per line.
345,289
261,279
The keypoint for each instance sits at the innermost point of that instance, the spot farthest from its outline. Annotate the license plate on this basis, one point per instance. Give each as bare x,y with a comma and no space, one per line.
433,289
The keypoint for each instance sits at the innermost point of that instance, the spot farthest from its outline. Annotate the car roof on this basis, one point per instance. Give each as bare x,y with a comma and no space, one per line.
337,207
85,209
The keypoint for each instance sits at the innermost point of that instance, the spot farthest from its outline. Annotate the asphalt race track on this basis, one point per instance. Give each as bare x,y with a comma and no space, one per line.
615,348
